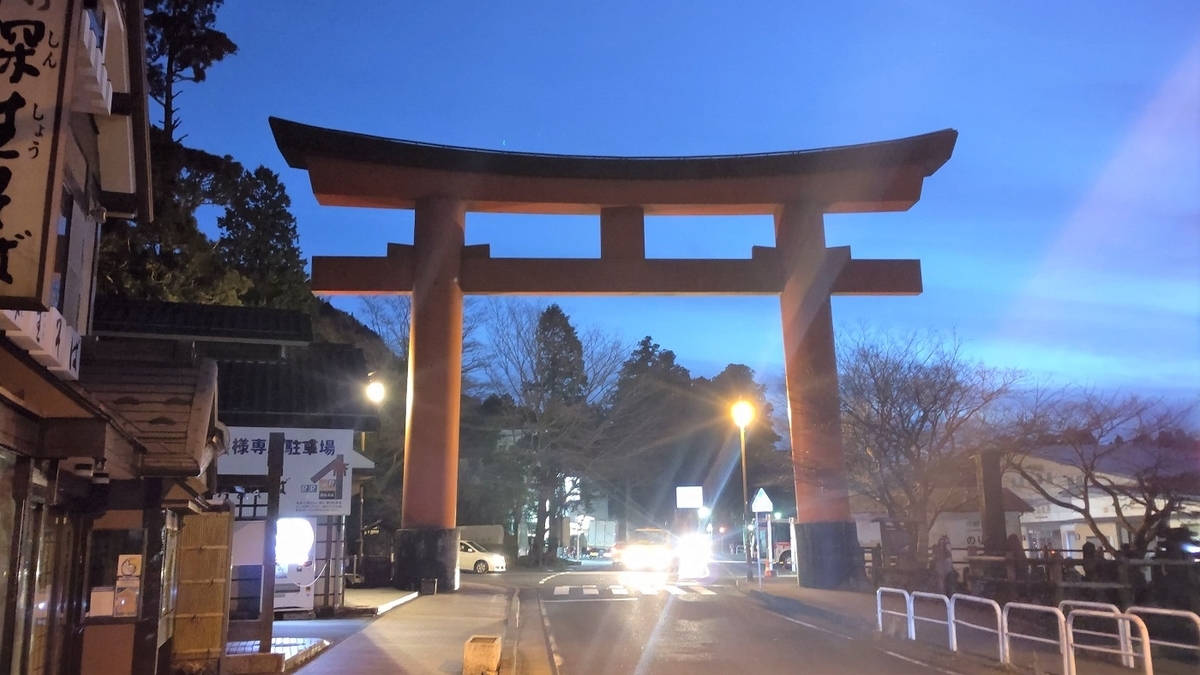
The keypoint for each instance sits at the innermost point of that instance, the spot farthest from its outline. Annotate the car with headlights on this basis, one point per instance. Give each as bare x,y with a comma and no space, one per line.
647,550
472,556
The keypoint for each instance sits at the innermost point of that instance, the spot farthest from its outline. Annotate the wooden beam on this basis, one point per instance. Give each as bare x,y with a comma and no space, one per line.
622,233
64,437
483,275
365,275
879,277
574,276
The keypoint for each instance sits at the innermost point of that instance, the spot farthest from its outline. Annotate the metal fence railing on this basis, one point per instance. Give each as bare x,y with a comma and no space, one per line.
914,617
1189,617
1132,636
956,621
1126,652
1122,635
908,609
1061,642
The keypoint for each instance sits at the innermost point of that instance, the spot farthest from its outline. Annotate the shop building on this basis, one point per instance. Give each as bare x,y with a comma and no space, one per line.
104,455
272,379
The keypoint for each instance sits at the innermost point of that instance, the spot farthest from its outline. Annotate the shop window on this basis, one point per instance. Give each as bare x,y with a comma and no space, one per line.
8,522
115,573
58,282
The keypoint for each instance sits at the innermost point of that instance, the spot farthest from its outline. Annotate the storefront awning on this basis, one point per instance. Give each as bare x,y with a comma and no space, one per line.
172,407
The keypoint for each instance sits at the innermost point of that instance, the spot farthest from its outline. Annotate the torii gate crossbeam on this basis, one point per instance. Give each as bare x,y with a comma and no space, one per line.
441,184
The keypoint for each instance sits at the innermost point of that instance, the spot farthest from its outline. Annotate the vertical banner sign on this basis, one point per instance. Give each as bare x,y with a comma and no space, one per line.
35,73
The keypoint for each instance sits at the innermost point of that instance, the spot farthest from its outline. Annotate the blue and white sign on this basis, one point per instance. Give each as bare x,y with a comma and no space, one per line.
762,503
316,466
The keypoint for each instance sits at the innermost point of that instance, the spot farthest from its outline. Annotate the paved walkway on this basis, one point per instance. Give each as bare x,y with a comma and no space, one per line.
424,636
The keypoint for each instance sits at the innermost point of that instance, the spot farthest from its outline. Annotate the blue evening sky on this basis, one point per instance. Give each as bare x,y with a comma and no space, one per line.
1063,236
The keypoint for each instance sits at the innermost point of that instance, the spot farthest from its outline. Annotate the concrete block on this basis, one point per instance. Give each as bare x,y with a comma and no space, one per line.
481,655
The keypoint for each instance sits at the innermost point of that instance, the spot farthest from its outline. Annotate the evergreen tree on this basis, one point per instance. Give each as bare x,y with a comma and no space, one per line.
181,45
259,241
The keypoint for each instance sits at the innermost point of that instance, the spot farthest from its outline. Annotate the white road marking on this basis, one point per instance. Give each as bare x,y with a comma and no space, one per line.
920,663
553,646
618,590
562,590
647,590
809,625
591,600
591,590
674,590
702,590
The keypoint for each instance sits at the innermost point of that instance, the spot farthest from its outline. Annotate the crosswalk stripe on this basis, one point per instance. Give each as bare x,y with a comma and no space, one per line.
702,590
562,590
674,590
591,590
618,590
648,590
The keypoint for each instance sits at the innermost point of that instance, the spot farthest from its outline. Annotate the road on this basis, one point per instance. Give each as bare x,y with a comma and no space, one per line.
605,621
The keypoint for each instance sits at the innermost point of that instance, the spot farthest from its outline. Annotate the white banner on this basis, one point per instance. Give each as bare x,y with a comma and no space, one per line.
316,466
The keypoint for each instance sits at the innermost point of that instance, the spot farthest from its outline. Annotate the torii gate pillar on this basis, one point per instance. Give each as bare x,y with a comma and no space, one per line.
827,551
426,545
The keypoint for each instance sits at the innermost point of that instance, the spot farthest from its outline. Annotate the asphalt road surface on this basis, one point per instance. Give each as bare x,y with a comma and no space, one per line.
604,621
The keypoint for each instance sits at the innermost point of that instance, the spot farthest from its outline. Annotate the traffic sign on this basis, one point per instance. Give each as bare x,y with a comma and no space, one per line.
762,503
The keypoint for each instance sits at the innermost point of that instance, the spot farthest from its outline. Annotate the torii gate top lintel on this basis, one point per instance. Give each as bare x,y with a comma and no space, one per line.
351,169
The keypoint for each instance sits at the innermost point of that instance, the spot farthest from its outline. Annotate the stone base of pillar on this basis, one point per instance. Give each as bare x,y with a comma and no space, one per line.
827,554
427,553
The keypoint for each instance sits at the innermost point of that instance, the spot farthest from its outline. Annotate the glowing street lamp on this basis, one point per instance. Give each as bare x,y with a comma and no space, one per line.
375,392
743,415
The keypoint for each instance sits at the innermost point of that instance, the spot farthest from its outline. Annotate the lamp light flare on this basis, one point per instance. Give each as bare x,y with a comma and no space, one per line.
743,413
375,392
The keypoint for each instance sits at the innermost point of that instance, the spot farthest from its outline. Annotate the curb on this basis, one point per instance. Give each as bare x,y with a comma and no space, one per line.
351,612
512,633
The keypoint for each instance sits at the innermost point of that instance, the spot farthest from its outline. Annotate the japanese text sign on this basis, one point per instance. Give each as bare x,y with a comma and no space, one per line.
35,44
316,466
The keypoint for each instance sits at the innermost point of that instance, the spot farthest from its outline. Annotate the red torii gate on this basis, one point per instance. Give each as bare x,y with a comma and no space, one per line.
443,183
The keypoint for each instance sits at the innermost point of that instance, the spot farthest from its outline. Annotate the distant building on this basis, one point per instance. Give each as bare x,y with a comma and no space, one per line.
1064,529
960,519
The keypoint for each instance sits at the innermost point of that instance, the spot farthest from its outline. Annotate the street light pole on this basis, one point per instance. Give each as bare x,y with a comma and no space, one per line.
745,509
743,415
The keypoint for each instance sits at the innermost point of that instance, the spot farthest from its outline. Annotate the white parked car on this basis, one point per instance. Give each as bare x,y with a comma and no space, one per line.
472,556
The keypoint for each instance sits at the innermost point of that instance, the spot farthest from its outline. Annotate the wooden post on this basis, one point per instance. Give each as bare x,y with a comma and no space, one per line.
266,614
1054,573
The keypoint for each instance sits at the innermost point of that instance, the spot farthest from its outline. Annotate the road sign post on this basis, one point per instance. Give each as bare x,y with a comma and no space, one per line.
762,504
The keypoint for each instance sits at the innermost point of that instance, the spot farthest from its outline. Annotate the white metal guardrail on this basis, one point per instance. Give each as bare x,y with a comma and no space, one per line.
1123,650
1129,647
908,609
917,595
1062,641
1122,634
1191,617
955,621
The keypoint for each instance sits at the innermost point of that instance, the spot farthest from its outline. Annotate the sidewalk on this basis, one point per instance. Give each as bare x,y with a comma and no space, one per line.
426,636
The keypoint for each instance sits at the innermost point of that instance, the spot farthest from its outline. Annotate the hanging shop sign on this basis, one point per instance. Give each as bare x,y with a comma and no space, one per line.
35,60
